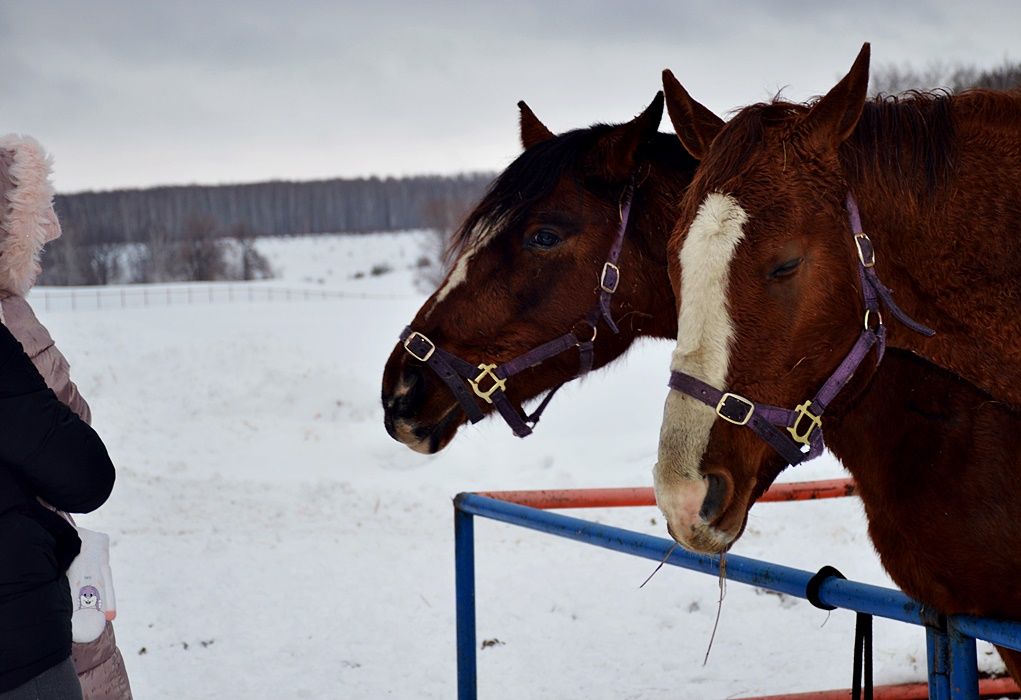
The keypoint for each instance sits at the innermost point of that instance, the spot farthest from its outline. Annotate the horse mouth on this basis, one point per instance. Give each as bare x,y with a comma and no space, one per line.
425,439
703,538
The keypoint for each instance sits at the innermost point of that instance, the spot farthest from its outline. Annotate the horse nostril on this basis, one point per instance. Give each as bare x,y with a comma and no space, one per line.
715,498
407,396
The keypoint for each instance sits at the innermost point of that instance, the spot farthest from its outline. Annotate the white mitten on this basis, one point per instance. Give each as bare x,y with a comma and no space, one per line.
92,596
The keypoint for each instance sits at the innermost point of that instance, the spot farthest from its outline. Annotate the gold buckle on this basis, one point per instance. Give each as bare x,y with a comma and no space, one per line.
814,422
420,358
740,399
602,278
858,239
498,384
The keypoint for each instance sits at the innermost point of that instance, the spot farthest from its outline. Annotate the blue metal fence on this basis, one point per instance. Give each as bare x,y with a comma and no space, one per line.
953,672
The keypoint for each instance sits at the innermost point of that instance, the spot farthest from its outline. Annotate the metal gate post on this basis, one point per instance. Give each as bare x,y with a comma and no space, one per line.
963,664
464,585
937,647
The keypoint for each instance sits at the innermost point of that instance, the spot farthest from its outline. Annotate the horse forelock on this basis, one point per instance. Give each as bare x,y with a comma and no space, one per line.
531,177
704,330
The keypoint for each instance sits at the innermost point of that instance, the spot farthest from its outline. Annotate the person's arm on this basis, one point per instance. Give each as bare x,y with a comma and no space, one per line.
55,454
20,319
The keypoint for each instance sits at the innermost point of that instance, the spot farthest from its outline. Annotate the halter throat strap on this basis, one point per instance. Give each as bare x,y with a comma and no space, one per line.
797,434
468,382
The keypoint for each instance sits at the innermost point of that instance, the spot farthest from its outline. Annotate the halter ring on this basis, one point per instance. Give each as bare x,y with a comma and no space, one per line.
595,332
879,319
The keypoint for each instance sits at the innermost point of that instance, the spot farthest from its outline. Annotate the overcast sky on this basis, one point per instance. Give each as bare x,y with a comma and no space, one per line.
137,93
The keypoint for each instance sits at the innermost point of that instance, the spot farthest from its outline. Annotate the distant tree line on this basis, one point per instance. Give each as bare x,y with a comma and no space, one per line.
892,79
190,233
268,208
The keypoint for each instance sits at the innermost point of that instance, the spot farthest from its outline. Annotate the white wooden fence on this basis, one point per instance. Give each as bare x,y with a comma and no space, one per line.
145,295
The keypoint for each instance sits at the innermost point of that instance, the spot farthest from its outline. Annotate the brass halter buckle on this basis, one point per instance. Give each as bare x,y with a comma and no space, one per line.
798,431
727,401
866,253
610,277
498,384
419,338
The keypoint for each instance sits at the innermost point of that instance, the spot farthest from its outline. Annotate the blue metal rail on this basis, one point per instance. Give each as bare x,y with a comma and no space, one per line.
953,672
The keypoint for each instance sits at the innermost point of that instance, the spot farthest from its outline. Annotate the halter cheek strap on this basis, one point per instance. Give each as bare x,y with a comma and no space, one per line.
489,381
797,434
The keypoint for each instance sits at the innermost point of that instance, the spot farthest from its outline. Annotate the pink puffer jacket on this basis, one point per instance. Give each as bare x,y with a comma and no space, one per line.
27,223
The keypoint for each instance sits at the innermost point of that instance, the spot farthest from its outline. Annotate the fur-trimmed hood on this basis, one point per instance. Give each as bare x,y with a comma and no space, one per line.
27,219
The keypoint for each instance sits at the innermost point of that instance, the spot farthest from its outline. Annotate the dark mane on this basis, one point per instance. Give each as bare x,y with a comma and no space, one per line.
531,176
903,143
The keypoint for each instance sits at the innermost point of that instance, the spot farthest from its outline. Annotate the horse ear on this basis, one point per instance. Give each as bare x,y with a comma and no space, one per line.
620,149
834,117
695,124
533,131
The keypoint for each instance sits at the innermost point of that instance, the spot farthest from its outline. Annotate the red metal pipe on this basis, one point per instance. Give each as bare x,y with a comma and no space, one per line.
987,688
643,496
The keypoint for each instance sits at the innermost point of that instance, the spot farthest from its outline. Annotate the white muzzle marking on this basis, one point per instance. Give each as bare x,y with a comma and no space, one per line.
704,336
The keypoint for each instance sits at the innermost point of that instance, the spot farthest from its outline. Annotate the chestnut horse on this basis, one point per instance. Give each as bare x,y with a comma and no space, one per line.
528,266
941,434
773,288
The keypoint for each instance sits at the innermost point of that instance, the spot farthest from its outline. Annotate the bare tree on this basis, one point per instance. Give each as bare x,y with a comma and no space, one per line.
252,265
62,260
441,216
1004,77
201,250
892,79
156,258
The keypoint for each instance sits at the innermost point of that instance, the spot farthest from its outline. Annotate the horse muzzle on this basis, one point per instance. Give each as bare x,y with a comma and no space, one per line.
695,510
410,417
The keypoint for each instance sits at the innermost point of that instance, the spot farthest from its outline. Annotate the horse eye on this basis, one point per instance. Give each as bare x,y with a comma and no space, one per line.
544,238
786,269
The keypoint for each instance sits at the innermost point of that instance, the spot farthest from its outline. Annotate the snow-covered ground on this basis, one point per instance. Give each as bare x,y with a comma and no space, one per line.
271,541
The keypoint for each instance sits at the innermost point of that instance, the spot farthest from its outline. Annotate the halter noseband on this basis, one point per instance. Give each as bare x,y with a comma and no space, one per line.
790,432
489,381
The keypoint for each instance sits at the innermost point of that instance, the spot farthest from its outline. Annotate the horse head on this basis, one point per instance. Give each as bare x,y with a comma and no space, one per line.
530,265
766,271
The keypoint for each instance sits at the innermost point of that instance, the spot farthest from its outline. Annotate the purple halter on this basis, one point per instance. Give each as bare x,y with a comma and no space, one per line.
797,434
455,372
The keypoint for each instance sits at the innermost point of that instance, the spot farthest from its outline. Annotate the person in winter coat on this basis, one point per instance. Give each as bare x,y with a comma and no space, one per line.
27,223
46,452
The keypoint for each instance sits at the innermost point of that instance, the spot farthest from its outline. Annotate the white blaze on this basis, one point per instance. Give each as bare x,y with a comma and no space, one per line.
704,335
459,274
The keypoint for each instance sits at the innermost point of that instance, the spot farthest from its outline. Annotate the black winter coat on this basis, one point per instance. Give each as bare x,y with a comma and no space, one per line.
46,451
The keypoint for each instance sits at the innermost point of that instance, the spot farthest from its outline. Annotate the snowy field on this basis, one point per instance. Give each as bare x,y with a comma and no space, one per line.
271,541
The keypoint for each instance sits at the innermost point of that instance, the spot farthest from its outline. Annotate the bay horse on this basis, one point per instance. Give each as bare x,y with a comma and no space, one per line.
531,261
774,277
943,432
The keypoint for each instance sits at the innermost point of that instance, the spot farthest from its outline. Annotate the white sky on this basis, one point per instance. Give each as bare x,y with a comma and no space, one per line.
130,94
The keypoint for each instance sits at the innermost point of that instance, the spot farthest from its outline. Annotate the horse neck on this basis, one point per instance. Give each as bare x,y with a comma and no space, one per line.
952,255
926,447
654,215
